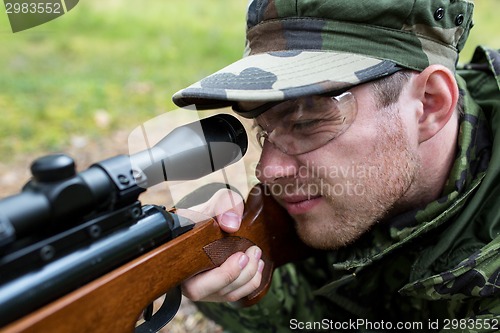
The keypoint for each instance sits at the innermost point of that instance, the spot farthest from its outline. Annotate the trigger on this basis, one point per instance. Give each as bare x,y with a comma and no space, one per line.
153,322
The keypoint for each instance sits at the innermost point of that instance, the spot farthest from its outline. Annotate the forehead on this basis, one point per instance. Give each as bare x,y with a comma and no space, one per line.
246,106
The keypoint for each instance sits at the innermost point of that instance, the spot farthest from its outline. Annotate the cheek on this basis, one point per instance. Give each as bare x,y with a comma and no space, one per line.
360,140
364,133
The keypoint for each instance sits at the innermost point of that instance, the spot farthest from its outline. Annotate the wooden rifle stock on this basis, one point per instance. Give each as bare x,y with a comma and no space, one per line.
114,302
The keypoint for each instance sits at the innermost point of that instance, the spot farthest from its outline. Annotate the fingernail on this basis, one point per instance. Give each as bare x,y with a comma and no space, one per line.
243,261
260,268
257,253
231,219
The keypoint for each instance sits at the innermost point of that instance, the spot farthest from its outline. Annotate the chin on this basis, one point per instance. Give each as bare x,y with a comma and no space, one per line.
330,234
323,240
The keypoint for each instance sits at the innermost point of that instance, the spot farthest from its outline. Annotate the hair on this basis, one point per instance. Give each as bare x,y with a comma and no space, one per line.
388,89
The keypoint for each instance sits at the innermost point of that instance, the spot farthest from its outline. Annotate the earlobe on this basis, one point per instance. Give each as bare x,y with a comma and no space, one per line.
437,90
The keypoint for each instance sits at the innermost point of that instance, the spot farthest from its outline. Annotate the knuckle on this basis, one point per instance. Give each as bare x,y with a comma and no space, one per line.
232,298
255,284
191,294
228,276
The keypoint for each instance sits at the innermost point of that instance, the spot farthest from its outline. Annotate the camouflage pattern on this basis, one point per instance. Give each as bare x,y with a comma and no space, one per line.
429,266
304,47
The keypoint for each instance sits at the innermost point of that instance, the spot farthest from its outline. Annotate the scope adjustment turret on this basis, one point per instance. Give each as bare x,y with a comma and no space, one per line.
53,168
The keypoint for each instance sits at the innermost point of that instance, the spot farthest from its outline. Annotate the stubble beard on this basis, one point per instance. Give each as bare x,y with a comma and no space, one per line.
343,219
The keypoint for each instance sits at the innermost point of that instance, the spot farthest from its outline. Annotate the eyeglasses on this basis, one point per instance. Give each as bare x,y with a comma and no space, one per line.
301,125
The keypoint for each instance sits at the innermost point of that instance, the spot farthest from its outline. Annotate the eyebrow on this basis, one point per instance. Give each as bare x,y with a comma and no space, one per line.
283,111
252,113
255,111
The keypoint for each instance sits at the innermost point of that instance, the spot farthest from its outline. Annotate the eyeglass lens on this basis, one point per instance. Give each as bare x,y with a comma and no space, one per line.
301,125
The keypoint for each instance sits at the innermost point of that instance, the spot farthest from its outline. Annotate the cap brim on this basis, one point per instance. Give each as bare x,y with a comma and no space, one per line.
282,75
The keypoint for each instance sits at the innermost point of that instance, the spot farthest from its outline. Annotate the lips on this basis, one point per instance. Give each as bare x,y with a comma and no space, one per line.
300,204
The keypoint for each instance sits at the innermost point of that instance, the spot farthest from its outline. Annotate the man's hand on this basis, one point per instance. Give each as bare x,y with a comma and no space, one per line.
241,273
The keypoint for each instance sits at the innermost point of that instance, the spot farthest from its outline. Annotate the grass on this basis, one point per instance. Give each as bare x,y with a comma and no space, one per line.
114,64
108,65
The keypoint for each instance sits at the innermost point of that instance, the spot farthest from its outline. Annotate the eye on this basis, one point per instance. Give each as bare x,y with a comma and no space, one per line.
309,124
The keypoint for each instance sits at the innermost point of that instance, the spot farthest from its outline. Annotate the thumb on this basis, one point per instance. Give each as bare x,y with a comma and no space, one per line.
226,206
228,209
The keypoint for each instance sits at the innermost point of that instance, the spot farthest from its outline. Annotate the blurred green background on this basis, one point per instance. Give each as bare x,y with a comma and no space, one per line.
113,64
107,65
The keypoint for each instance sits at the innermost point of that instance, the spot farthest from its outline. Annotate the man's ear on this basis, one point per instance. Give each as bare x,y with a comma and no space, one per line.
437,90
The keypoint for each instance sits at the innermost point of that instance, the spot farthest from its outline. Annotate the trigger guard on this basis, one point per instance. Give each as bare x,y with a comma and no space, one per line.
165,313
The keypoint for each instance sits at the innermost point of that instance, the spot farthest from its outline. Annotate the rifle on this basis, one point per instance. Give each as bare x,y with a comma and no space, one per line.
80,253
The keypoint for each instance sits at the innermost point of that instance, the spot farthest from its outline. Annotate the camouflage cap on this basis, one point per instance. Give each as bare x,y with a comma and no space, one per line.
304,47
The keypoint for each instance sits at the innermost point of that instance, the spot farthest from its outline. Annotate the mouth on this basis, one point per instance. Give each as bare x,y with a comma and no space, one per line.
296,205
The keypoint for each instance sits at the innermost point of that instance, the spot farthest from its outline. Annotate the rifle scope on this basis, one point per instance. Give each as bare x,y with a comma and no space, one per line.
57,193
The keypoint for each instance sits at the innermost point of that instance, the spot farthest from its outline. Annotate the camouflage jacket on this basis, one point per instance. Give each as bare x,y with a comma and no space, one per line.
432,269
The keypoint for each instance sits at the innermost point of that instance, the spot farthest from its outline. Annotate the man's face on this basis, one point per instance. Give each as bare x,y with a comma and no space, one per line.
339,191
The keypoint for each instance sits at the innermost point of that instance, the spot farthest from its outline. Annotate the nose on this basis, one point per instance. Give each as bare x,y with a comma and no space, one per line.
275,164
